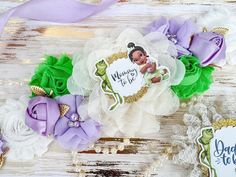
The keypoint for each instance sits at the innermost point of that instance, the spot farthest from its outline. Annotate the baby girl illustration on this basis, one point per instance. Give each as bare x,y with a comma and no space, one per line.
152,73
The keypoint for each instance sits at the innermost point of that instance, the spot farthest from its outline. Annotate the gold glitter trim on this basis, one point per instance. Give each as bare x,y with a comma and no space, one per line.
203,168
116,56
39,91
220,30
205,171
3,157
137,96
141,92
224,123
204,29
63,109
2,160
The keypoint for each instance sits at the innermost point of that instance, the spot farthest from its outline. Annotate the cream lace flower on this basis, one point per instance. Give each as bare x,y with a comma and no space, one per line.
24,143
139,118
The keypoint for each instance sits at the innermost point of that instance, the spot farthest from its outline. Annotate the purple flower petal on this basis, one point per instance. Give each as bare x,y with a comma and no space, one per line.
61,126
1,147
161,25
182,51
185,33
179,32
90,127
42,114
175,25
72,101
209,47
80,133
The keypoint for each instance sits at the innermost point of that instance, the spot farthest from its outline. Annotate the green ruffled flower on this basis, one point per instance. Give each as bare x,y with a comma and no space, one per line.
52,75
197,79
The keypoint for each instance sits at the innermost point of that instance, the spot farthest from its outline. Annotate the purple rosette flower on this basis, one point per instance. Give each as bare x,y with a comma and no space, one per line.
209,47
42,114
177,31
76,130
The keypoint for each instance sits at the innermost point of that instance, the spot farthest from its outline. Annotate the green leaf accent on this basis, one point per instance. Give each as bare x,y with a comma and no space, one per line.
197,79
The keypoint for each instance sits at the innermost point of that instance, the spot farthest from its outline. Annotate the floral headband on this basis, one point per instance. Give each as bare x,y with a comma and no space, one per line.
117,86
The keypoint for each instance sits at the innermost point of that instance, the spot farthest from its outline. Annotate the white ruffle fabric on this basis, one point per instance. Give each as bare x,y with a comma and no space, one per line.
24,143
139,118
222,17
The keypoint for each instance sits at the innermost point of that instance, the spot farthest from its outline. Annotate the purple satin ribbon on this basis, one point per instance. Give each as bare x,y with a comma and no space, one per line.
60,11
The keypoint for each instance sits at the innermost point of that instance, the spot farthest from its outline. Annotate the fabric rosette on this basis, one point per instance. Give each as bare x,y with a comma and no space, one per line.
129,119
197,79
42,114
178,32
52,75
76,130
65,118
223,21
209,47
23,142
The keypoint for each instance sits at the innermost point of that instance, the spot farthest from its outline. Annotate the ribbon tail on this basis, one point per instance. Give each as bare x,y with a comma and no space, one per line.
59,11
4,19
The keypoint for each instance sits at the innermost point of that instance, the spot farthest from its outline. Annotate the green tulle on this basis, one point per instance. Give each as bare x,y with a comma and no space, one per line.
53,74
197,79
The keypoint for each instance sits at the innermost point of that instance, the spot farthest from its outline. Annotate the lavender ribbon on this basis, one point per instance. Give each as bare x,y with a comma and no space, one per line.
61,11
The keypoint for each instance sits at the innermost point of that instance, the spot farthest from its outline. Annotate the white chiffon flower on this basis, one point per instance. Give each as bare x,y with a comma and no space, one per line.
139,118
222,17
23,143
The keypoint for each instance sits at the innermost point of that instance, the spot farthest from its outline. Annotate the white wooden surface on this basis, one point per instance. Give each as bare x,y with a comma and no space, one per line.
25,42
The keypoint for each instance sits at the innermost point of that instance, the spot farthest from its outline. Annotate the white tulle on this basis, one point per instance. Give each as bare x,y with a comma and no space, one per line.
24,143
139,118
222,17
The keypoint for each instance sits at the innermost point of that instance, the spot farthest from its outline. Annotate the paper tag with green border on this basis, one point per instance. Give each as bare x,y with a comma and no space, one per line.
126,76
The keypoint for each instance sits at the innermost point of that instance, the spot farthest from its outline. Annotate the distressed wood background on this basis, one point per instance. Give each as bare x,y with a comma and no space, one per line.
24,43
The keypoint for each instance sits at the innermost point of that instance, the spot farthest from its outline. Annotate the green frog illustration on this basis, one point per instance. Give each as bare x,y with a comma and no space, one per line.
205,154
101,67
